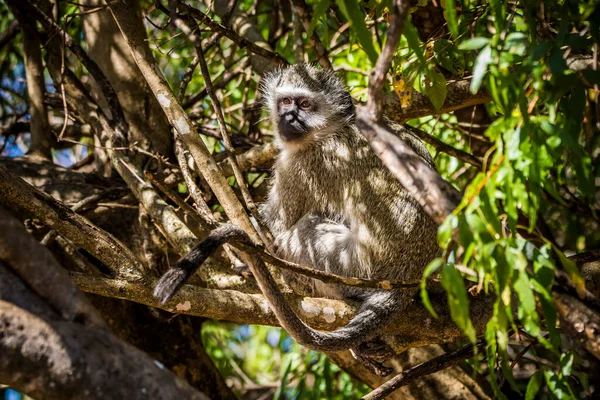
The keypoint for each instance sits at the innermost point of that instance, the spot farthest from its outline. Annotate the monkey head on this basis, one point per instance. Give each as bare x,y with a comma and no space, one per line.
306,103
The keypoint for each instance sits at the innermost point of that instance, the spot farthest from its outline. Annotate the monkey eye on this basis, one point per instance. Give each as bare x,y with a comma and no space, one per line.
287,101
305,104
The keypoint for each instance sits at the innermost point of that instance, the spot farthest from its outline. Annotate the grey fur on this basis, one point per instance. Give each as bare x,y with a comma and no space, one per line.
335,206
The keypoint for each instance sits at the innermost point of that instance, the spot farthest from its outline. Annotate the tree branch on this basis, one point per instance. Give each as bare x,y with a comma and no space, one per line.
102,245
459,96
65,360
214,26
323,314
434,365
446,148
42,273
181,122
304,14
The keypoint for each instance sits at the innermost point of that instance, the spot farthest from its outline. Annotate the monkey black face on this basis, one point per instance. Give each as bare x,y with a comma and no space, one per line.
295,113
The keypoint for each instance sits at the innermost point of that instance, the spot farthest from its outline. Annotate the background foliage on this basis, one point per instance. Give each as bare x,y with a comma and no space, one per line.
534,201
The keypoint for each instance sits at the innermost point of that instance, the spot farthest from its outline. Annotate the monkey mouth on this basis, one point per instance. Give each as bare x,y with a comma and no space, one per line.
291,128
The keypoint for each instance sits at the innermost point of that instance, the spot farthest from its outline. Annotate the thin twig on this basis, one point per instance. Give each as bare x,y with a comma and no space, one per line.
195,192
207,224
304,14
186,78
446,148
232,35
94,198
427,368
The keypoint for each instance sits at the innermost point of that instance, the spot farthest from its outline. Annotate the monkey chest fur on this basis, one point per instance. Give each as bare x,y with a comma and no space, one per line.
335,207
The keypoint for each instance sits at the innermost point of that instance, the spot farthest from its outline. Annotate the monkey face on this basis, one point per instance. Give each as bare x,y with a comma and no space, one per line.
297,115
305,104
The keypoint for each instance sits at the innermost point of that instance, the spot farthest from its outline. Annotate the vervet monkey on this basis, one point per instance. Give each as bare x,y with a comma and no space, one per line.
334,206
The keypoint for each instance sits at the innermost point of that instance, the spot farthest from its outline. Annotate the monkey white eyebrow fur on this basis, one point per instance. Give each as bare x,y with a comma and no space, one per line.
293,91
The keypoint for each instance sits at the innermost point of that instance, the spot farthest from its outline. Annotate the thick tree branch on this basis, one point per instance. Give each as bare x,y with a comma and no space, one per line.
459,96
580,321
258,156
65,360
41,136
437,197
105,247
42,273
323,314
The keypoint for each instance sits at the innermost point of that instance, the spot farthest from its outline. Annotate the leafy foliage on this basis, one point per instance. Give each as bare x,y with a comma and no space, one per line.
534,201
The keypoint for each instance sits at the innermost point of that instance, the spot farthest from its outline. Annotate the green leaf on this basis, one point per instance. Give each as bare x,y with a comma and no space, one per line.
474,44
480,67
574,274
451,18
449,57
534,385
527,306
355,15
318,13
280,394
413,41
458,300
431,268
566,364
446,229
437,90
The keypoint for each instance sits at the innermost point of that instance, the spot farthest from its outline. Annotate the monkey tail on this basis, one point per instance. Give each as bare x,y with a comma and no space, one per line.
176,276
372,316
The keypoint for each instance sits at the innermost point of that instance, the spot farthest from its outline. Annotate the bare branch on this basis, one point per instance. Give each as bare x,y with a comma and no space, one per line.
201,206
579,320
102,245
258,156
323,314
459,96
38,268
41,136
434,365
229,149
276,58
384,62
9,33
446,148
437,197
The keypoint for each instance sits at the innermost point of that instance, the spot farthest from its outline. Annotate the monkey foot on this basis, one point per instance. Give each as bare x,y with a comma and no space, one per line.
374,366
